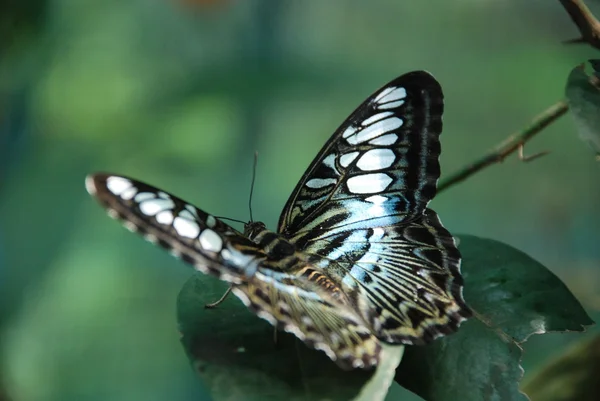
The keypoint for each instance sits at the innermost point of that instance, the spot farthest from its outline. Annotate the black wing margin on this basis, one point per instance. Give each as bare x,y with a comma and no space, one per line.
388,146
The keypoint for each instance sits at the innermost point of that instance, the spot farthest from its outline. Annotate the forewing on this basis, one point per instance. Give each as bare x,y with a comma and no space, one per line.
196,237
293,300
409,274
380,167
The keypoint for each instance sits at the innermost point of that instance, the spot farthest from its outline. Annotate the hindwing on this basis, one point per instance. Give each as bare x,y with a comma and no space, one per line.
407,273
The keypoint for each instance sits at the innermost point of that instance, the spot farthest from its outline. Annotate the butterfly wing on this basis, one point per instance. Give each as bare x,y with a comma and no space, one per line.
297,304
361,208
409,274
382,162
189,233
292,300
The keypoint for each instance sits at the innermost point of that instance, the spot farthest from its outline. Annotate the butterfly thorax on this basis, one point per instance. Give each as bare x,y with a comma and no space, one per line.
274,245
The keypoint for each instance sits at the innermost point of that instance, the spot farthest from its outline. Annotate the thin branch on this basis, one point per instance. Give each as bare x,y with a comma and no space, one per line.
586,22
530,158
512,144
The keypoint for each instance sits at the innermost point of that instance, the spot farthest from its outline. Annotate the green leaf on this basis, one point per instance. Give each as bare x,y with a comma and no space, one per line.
572,376
237,357
583,96
513,296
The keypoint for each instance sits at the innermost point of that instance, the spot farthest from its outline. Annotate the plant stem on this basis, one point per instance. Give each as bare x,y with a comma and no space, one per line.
510,145
587,23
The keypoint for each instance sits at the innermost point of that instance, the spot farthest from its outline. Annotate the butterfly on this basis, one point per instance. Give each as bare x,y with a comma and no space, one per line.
357,259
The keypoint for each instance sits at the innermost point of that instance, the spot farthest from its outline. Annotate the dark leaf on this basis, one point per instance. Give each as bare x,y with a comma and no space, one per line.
513,296
237,357
574,375
583,96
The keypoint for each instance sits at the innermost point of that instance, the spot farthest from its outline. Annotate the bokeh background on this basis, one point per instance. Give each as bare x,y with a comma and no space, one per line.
180,93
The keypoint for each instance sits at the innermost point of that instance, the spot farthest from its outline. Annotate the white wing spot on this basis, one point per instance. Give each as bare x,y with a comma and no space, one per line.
211,221
329,161
348,158
377,129
164,195
269,318
165,217
376,159
391,105
242,296
368,183
192,210
129,193
210,241
185,227
151,238
384,140
378,234
384,93
391,95
320,182
349,131
117,185
153,206
186,215
90,185
376,209
376,199
130,226
225,254
376,117
143,196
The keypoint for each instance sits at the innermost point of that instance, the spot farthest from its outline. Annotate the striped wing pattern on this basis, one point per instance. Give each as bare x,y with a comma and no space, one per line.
357,259
361,211
409,274
314,316
382,162
190,234
287,293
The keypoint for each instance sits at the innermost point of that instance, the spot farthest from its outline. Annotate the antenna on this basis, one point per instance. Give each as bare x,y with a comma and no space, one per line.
252,185
230,219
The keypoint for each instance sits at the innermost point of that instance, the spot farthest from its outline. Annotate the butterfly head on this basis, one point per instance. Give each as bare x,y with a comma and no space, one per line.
253,228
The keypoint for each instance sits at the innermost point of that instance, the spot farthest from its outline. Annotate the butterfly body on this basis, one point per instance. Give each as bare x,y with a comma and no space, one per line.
358,258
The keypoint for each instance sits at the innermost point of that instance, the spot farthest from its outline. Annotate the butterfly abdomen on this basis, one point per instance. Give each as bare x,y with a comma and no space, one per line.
322,281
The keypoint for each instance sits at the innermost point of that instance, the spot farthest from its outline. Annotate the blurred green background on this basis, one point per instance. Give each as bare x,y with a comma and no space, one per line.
179,93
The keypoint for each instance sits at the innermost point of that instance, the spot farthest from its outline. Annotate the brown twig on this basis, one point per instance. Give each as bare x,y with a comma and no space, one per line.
586,22
530,158
513,143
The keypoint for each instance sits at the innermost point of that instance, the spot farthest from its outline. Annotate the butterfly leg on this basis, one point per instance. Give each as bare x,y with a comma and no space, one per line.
219,301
